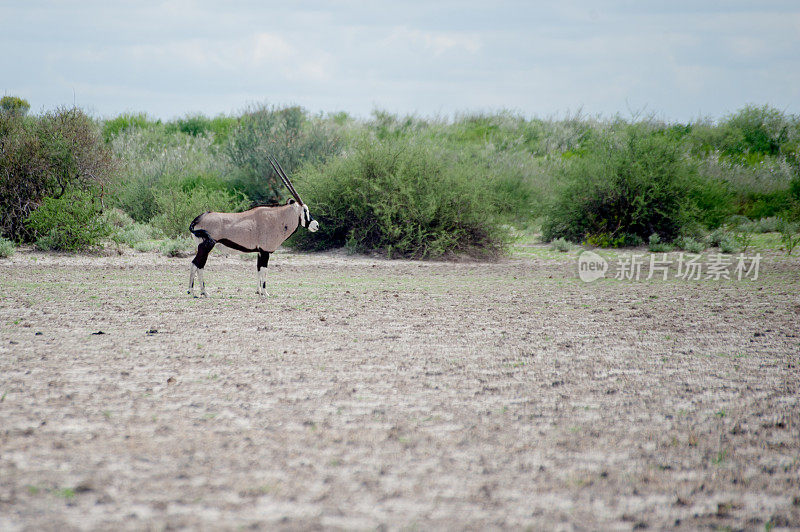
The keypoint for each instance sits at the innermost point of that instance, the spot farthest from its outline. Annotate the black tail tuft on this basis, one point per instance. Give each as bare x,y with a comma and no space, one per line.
194,222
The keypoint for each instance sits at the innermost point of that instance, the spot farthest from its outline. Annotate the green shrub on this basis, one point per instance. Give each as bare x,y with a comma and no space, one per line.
764,225
400,198
728,244
135,233
124,122
517,185
559,244
72,222
154,159
690,244
790,234
194,125
717,236
632,184
43,157
607,240
655,245
177,247
285,133
177,207
739,232
7,248
752,129
713,200
14,105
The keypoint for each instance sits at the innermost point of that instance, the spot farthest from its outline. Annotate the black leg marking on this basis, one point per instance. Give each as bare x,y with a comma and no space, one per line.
263,259
203,250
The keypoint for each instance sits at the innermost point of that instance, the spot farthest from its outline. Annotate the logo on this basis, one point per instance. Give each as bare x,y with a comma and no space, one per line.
591,266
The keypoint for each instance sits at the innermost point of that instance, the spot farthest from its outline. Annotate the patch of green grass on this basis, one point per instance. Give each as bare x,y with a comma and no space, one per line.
66,493
720,458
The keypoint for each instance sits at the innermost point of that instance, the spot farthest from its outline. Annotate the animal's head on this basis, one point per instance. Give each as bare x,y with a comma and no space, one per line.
305,216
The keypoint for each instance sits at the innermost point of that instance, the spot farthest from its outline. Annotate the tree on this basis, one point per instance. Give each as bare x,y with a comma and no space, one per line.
14,105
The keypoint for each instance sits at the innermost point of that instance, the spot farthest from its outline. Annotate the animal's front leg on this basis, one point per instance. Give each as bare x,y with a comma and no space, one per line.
263,259
262,282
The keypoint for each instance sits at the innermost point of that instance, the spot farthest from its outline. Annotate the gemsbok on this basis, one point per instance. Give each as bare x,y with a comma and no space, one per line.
260,230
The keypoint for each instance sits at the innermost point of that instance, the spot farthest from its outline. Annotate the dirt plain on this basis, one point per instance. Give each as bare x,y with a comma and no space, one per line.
366,393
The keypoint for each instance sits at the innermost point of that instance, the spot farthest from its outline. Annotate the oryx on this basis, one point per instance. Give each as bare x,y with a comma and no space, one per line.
260,230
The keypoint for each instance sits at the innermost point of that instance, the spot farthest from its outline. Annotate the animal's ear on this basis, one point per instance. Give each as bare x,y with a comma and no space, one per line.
291,200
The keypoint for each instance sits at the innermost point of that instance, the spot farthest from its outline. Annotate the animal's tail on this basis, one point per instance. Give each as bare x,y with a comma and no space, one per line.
199,232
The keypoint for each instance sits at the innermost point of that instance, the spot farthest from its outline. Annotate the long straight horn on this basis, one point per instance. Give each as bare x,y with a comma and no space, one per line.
282,174
289,182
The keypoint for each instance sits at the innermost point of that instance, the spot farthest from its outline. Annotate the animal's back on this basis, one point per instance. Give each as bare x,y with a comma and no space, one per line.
259,229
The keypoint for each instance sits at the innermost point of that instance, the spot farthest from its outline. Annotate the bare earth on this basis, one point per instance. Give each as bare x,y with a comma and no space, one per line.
365,393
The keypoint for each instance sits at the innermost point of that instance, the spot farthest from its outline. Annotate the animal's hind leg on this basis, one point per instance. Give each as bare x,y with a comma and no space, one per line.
263,259
192,274
198,263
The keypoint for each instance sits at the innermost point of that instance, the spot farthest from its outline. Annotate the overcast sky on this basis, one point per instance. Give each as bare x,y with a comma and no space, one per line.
677,59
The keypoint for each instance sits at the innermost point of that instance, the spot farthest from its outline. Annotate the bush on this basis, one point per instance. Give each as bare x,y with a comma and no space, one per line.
655,245
14,105
178,206
7,248
690,244
559,244
516,184
728,244
46,157
69,223
759,130
626,186
177,247
124,122
790,234
127,231
285,133
713,199
400,198
155,159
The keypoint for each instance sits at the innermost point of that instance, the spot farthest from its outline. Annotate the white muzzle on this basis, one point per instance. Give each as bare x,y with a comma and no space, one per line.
313,226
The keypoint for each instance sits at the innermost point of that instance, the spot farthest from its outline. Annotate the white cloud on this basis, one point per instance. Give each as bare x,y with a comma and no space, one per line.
437,42
173,57
271,48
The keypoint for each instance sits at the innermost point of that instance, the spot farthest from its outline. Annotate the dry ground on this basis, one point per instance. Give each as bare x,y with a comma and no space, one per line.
366,393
